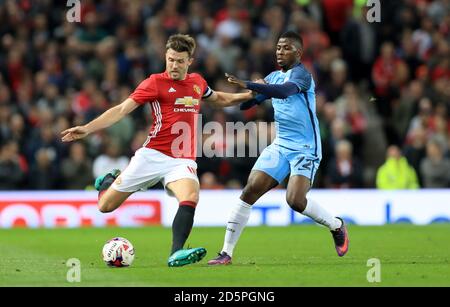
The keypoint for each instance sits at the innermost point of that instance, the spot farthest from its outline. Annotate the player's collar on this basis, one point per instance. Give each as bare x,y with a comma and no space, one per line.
298,64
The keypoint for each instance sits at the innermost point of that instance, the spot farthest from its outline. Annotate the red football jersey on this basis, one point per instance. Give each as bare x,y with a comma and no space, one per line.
175,107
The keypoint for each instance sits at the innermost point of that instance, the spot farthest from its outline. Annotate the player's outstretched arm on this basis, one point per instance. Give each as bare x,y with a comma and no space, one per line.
256,99
108,118
269,90
222,99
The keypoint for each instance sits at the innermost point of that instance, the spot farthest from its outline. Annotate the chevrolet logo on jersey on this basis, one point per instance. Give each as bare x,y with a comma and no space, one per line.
187,101
187,104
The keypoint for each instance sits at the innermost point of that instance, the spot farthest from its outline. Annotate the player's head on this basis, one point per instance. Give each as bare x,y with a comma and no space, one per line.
289,49
179,55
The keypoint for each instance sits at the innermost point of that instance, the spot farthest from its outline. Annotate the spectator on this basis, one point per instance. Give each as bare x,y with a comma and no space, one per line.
234,185
90,34
396,173
333,89
123,131
403,112
45,138
5,130
339,132
226,53
231,26
111,159
415,151
17,128
336,13
11,172
435,168
422,37
387,77
344,171
359,45
76,170
351,108
423,118
44,174
408,52
208,181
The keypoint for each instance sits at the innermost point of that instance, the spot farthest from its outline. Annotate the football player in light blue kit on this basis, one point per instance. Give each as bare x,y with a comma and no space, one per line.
296,149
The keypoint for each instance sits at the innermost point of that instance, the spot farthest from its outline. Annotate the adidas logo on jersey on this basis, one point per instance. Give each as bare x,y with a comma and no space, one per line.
172,90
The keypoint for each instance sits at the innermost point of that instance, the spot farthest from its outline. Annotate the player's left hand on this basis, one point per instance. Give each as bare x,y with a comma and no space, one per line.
234,80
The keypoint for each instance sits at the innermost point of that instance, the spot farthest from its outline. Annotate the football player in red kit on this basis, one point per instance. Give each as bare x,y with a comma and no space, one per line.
169,153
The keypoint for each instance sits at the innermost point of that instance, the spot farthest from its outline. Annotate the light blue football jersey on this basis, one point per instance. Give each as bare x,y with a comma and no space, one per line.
297,126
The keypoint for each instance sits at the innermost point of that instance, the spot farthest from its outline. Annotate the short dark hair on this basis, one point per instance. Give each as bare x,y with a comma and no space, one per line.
181,43
293,36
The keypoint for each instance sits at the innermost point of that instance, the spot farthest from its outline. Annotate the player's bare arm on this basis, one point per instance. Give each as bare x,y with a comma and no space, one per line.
108,118
222,99
234,80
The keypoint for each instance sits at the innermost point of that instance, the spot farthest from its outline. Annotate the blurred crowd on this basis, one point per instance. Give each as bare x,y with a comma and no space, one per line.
383,88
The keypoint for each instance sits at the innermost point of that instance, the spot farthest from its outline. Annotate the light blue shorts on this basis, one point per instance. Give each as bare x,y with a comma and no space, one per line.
278,162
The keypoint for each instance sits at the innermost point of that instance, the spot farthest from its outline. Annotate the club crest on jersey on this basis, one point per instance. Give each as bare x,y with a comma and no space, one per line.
197,89
187,104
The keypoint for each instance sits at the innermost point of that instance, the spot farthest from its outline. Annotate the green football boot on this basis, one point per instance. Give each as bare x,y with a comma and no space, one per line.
186,256
99,180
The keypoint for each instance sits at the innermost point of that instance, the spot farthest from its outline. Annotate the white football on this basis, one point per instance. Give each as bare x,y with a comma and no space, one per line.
118,252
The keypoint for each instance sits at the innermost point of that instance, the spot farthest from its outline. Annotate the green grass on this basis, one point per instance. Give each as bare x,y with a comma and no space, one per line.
265,256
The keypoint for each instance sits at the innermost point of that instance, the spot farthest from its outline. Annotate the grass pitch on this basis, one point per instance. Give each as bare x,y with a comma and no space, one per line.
265,256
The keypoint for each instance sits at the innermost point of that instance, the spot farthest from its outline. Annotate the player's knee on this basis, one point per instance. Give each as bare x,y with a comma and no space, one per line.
296,201
193,197
105,206
256,186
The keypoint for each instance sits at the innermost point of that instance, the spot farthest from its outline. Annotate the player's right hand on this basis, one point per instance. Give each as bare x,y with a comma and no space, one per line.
235,80
74,133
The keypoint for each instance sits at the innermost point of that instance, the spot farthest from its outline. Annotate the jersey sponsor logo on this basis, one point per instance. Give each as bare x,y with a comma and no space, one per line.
197,89
188,103
185,110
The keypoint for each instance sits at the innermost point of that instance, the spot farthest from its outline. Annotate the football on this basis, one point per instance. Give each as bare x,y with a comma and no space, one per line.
118,252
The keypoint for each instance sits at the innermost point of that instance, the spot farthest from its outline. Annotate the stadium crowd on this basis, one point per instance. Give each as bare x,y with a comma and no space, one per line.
383,88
